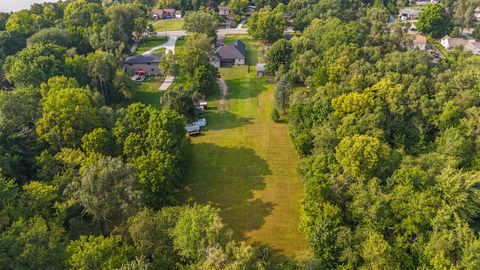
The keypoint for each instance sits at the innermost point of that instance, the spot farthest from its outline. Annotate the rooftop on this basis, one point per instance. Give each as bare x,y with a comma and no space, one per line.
419,39
142,59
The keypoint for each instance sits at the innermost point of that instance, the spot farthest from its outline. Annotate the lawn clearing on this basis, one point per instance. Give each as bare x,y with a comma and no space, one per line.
147,91
168,25
149,43
245,164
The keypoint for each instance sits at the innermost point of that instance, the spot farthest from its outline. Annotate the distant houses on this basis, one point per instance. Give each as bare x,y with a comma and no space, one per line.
225,12
420,42
148,65
166,13
472,46
235,54
409,14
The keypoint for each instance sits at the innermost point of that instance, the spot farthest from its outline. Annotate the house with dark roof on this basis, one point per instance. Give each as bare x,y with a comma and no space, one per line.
409,14
235,54
161,14
147,64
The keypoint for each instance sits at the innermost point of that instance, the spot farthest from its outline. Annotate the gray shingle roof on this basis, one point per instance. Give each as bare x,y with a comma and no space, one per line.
229,52
142,59
240,46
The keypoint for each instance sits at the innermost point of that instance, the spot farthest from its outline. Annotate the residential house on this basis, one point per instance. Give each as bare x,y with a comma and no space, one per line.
147,64
224,11
420,42
468,45
178,14
261,69
162,14
235,54
409,14
476,14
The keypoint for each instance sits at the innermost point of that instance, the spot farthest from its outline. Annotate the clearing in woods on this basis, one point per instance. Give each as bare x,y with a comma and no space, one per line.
245,164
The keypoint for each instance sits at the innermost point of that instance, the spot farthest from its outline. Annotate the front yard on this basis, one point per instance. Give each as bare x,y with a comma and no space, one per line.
149,43
168,25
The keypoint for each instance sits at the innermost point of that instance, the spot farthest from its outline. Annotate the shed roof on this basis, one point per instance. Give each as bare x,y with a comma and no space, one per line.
419,39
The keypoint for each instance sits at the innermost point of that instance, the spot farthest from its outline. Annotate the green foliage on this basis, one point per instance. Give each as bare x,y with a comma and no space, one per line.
33,244
434,21
67,115
267,24
98,141
202,22
98,252
279,57
275,115
35,64
18,113
181,101
204,80
197,229
53,35
107,190
282,93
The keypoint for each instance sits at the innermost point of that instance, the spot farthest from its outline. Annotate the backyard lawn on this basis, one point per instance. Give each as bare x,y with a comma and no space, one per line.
168,25
245,164
147,91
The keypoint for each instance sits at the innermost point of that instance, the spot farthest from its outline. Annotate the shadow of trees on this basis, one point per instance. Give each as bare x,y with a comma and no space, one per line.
225,120
227,178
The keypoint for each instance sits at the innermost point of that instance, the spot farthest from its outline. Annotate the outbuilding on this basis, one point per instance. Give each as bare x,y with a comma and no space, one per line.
261,69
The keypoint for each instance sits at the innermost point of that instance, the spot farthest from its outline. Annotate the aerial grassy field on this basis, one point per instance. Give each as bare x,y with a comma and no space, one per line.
245,164
168,25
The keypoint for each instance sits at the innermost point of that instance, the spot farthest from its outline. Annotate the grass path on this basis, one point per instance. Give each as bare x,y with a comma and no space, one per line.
245,164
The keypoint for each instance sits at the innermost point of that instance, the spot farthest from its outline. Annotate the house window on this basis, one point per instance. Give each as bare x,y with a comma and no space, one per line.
130,64
149,64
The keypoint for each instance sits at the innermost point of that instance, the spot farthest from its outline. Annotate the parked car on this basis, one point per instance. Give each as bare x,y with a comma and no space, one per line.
201,122
193,129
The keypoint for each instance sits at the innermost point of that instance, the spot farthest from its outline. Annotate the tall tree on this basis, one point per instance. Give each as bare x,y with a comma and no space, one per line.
268,24
203,22
434,21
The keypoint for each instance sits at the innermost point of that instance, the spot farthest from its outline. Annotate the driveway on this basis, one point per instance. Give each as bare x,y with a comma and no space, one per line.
169,45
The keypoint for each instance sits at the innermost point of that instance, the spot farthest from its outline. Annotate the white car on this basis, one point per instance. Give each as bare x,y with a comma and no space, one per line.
201,122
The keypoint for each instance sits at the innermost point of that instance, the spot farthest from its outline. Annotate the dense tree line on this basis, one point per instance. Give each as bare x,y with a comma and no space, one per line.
388,144
87,182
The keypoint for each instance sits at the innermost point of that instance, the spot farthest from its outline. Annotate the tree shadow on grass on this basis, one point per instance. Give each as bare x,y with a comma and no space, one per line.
227,178
225,120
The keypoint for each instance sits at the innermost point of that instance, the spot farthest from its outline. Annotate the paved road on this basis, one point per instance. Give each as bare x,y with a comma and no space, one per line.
220,32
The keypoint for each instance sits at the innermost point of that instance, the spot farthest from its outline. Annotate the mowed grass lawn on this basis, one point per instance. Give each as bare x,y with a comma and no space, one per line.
168,25
147,91
245,164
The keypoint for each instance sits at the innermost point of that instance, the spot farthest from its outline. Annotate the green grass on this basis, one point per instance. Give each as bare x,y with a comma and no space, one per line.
149,43
147,91
245,164
168,25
